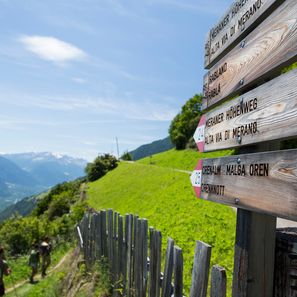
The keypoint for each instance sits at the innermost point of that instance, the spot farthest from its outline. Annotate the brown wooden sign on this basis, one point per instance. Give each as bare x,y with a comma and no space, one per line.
266,113
262,182
266,50
236,23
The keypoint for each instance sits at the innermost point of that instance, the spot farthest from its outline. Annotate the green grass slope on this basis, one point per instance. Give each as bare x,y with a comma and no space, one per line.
165,197
184,160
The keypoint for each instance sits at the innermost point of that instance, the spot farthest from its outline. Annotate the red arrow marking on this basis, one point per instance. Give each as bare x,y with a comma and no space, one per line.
199,134
196,178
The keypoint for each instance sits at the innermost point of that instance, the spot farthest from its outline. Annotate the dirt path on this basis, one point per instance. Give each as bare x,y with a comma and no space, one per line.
37,277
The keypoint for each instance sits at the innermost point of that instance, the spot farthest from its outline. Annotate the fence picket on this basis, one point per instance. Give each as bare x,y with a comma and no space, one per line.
92,239
135,227
218,282
103,233
200,270
120,249
129,256
114,247
110,237
137,259
178,272
166,283
144,248
125,253
88,241
98,236
155,263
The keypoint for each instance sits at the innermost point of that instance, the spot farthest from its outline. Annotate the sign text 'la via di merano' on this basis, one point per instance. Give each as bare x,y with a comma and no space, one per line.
262,54
266,113
236,23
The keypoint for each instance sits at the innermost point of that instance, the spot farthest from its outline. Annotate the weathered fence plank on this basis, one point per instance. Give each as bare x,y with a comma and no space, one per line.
125,253
167,277
93,244
144,249
120,248
129,256
155,263
88,241
104,234
200,270
178,272
100,231
137,259
218,282
110,236
114,247
96,251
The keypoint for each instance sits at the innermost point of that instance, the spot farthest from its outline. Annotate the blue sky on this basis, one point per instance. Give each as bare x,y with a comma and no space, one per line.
75,74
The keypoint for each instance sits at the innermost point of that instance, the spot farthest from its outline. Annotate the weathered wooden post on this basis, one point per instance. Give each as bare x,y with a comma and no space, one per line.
129,256
200,270
168,269
178,266
155,263
218,282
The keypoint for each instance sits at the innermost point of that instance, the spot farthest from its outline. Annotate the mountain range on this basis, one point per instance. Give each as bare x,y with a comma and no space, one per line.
24,176
28,174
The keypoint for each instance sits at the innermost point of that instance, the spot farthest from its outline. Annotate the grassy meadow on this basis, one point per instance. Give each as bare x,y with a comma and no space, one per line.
154,189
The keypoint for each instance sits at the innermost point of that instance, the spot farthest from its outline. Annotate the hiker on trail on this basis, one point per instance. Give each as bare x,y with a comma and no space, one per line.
45,252
4,270
34,261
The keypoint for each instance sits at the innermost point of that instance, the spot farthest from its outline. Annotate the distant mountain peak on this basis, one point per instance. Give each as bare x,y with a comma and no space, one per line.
24,174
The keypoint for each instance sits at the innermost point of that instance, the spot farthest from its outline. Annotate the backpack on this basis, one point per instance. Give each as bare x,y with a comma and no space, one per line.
45,249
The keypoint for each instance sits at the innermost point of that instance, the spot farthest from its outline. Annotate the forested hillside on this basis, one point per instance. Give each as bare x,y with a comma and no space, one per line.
155,147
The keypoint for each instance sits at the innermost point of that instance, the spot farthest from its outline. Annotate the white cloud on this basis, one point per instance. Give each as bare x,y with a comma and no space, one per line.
121,107
52,49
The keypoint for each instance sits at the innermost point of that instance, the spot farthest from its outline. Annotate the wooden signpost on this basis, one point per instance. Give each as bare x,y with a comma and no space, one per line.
247,50
261,55
262,182
266,113
236,23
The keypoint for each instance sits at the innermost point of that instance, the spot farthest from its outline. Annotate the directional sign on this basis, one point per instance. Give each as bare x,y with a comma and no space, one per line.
262,182
266,50
236,23
266,113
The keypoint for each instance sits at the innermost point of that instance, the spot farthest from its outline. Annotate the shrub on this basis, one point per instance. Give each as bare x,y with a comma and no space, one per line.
100,166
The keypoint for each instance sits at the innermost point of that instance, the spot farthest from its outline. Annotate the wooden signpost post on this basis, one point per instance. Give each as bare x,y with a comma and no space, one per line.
246,52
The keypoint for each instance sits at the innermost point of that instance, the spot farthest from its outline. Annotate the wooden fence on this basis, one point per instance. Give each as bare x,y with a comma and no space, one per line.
133,253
